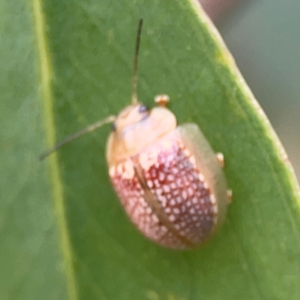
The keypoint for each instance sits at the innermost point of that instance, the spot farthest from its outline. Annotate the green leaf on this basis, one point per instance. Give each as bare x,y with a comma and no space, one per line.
67,64
30,259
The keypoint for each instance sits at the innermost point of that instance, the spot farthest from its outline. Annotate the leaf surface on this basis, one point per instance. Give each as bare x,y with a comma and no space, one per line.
73,66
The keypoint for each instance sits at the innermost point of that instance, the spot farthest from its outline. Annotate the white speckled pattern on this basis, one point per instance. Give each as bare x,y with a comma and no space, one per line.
187,209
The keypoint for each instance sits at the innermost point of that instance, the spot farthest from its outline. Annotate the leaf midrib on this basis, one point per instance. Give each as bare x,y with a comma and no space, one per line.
46,75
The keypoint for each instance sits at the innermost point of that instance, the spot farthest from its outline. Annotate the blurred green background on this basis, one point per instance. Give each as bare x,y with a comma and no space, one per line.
264,38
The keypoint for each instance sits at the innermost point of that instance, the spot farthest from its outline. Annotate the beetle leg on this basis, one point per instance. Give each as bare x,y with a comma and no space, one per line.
220,159
229,196
162,100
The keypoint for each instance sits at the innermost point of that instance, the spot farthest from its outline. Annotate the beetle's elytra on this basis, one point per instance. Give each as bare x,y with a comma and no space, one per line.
169,183
168,179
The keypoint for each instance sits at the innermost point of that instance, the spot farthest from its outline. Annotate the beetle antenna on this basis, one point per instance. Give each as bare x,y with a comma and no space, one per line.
134,98
78,134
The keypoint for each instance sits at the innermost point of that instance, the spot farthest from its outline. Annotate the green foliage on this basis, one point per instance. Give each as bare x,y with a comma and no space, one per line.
66,64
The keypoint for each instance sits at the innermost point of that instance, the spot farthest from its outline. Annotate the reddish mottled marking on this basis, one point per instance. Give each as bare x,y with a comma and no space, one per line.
187,209
166,176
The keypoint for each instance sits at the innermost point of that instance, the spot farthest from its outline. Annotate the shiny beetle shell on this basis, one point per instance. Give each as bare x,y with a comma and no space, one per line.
167,177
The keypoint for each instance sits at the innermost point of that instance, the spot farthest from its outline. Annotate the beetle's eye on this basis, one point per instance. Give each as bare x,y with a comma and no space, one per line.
143,108
113,126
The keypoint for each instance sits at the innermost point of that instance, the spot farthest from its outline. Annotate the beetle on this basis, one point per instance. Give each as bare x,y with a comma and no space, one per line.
167,177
